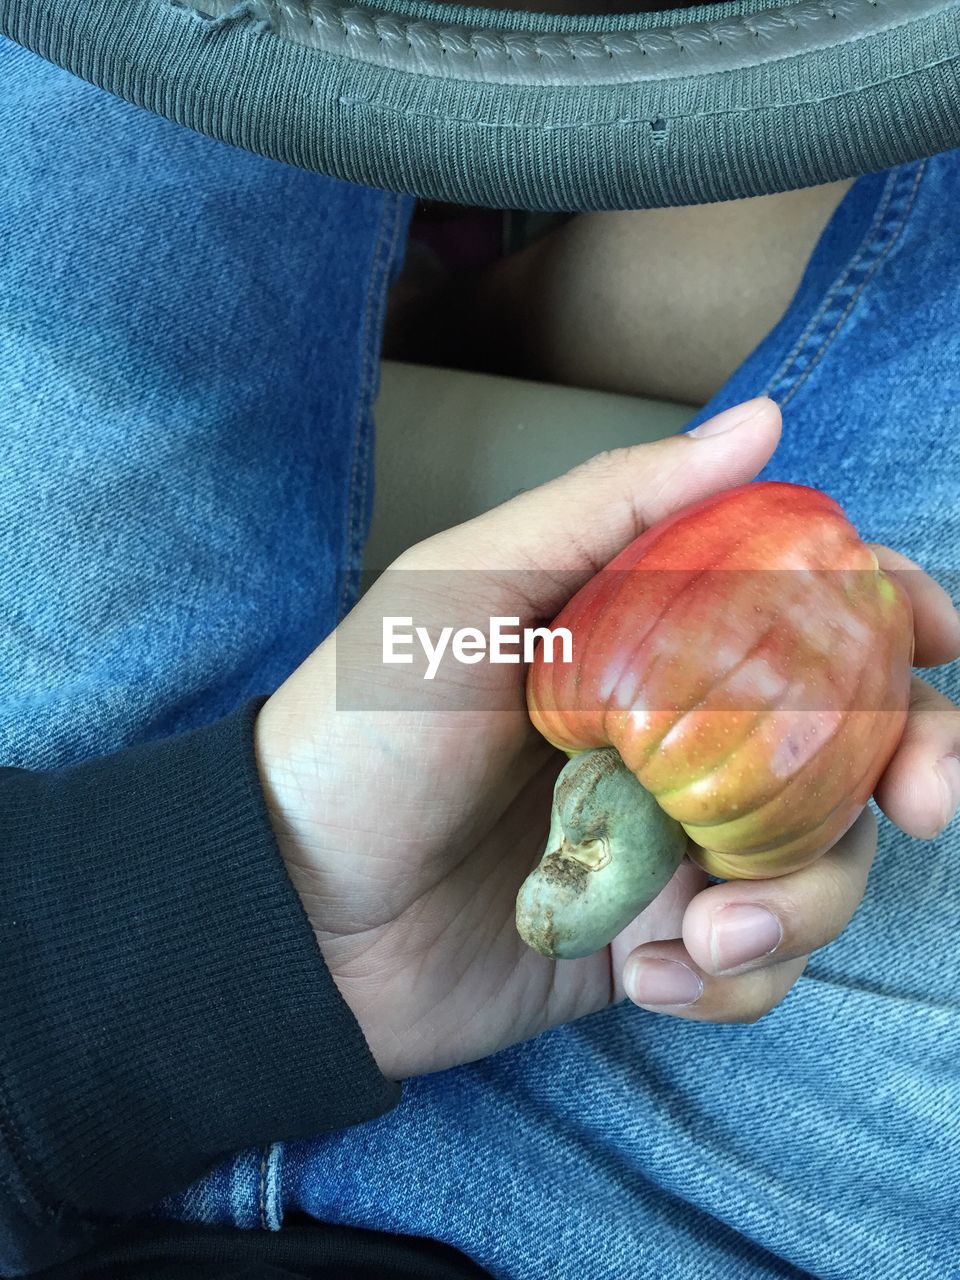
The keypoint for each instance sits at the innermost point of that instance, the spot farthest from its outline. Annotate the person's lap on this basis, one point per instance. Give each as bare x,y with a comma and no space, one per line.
191,340
823,1139
185,432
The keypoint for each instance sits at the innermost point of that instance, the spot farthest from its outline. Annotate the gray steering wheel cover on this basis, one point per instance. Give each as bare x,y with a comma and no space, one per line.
450,50
567,114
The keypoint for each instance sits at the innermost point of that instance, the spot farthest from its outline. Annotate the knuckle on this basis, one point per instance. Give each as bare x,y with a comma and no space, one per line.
607,464
748,1019
822,904
928,706
748,998
746,1014
837,890
417,556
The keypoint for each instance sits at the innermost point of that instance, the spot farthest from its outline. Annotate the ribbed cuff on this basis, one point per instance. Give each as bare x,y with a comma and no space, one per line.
164,999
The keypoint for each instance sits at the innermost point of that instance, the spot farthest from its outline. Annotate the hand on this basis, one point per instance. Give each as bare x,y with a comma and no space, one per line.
408,829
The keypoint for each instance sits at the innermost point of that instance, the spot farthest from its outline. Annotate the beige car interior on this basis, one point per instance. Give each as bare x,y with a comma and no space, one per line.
452,444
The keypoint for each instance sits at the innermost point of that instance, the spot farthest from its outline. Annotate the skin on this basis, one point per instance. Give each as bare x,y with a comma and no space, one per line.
408,831
573,307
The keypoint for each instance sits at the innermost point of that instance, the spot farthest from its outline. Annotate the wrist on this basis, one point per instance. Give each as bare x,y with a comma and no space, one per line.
282,783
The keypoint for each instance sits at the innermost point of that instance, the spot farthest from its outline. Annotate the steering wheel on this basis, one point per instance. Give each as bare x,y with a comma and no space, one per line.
535,111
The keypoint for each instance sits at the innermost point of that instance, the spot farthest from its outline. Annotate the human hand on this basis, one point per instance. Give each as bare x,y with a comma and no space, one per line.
408,829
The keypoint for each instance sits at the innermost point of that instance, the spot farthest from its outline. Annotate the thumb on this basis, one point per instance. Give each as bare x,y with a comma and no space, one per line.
563,532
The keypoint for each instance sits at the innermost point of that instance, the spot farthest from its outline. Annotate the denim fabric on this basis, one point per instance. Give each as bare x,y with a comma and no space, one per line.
169,545
824,1140
189,352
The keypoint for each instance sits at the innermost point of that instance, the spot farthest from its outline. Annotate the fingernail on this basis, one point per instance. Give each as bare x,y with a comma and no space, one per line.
731,418
741,933
662,982
949,771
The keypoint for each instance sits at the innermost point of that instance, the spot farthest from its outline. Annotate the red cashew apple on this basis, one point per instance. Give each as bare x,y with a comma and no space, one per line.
741,674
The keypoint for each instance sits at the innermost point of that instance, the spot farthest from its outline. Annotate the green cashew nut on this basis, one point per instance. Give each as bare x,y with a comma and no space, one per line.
610,851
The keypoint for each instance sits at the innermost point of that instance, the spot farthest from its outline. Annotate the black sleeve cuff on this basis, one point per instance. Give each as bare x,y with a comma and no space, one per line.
164,1001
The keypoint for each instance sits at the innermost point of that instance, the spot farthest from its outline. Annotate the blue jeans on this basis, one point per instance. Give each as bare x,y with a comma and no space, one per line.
186,418
190,339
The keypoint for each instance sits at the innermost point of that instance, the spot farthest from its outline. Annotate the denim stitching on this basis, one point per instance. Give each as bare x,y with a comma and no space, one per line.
367,437
349,533
371,338
870,256
813,323
373,382
893,238
274,1188
270,1206
881,257
263,1181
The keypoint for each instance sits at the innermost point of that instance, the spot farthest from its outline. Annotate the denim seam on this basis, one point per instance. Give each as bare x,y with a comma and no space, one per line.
836,286
371,336
264,1152
893,237
270,1198
274,1187
374,349
884,232
350,531
838,283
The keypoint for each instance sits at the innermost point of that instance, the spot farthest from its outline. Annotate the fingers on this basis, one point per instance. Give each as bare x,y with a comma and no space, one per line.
577,523
920,788
673,984
935,620
745,943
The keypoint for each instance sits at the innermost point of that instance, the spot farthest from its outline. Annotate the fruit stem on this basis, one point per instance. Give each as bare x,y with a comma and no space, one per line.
610,852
